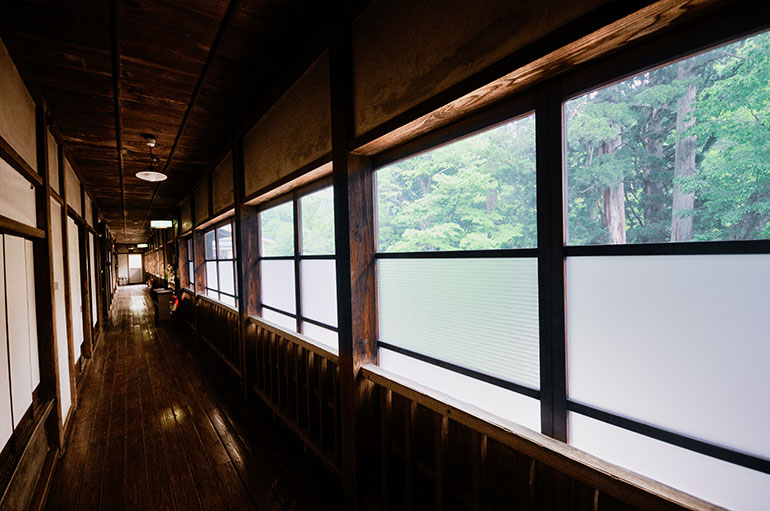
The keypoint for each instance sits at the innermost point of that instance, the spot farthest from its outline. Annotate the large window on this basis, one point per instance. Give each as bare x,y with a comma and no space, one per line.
457,267
219,258
653,266
297,265
667,342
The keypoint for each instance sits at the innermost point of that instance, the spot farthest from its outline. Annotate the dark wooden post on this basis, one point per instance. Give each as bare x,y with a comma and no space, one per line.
354,236
550,204
246,260
44,291
74,366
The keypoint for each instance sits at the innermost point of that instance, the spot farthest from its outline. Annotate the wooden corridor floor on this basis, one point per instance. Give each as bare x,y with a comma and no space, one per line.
152,433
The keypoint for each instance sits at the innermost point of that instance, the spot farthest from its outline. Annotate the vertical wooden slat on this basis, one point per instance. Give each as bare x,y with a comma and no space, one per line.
386,413
297,360
411,468
442,442
308,391
322,433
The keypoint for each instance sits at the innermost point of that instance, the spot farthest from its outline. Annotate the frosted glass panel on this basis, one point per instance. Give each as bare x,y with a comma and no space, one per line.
229,300
92,266
319,290
226,277
508,405
320,334
17,196
682,342
279,319
212,280
18,325
6,419
276,227
317,217
76,298
278,284
716,481
62,344
481,314
34,365
191,273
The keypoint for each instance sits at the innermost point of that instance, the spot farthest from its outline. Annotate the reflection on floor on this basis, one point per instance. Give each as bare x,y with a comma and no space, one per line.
152,433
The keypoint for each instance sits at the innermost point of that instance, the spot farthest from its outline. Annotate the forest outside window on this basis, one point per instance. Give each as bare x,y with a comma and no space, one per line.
219,258
679,153
297,265
457,282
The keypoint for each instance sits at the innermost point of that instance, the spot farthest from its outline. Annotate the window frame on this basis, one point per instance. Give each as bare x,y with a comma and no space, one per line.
294,197
204,291
549,98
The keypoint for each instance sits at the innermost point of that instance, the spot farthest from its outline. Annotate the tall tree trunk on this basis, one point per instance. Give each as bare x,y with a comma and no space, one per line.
614,211
684,158
651,177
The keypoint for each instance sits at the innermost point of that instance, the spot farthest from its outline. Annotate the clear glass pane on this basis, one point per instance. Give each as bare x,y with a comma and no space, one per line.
278,284
680,342
481,314
212,280
678,153
226,277
276,227
225,242
319,290
508,405
211,245
279,319
317,214
191,272
476,193
320,334
716,481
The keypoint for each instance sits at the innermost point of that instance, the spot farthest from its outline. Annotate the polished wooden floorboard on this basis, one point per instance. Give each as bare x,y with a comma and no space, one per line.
150,432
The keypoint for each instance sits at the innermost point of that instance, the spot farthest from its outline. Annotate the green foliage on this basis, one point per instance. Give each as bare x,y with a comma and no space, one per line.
317,219
476,193
277,230
732,129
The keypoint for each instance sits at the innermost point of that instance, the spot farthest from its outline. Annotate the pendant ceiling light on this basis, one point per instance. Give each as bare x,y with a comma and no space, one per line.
151,174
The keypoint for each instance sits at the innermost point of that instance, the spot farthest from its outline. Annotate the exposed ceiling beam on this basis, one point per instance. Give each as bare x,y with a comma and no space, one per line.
115,8
231,8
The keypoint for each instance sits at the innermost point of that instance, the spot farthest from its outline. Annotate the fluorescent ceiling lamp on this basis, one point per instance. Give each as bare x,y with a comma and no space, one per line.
161,224
141,245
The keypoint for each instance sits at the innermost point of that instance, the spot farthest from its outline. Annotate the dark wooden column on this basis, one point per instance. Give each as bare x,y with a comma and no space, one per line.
354,236
85,289
44,291
246,269
74,366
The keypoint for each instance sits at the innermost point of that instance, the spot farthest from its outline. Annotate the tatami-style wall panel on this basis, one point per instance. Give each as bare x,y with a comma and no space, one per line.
17,110
293,133
405,52
222,185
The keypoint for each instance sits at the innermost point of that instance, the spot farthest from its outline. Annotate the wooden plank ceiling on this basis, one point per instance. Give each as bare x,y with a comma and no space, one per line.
189,72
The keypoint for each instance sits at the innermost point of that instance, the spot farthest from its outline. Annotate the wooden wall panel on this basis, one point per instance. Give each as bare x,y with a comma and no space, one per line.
185,215
53,162
405,52
17,110
17,196
295,132
222,195
202,202
72,188
88,212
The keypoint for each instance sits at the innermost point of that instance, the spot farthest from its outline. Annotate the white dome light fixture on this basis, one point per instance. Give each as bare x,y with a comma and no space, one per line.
151,174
